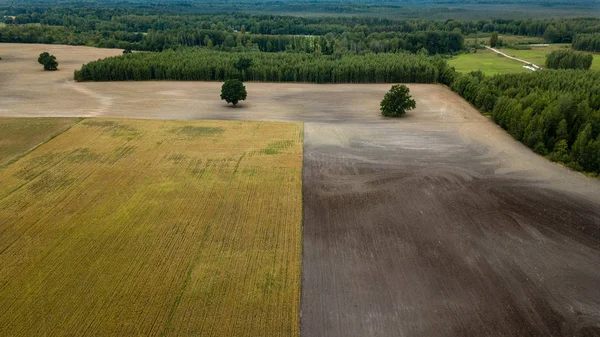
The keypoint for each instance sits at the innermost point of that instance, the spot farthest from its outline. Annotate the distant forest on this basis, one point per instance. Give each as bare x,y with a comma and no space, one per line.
155,30
406,9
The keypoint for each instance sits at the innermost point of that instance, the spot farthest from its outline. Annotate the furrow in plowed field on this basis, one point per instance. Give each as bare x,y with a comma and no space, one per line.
125,227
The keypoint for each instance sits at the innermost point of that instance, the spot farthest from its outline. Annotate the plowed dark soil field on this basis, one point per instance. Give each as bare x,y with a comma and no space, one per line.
408,233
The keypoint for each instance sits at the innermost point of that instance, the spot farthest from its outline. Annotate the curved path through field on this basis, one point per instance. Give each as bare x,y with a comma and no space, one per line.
437,224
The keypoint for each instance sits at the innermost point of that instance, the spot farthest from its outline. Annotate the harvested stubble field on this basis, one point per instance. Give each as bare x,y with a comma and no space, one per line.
148,228
436,224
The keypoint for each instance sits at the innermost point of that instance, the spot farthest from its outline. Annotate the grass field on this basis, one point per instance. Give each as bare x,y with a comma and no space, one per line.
538,55
535,55
153,228
491,63
488,62
19,135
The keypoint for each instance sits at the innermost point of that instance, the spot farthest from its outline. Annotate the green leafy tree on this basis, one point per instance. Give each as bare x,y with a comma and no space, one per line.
397,101
551,34
233,91
561,150
579,147
562,131
494,40
242,65
48,61
43,57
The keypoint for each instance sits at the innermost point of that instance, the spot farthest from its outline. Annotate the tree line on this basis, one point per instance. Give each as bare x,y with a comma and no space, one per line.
587,42
199,64
433,42
554,112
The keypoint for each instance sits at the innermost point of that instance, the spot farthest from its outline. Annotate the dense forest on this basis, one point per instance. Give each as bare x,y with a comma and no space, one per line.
133,20
587,42
154,29
200,64
554,112
407,9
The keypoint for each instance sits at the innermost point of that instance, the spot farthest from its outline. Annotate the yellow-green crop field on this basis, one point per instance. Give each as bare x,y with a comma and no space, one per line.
152,228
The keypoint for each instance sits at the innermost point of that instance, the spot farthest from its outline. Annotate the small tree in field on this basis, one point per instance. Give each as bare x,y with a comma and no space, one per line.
48,61
397,101
494,40
233,91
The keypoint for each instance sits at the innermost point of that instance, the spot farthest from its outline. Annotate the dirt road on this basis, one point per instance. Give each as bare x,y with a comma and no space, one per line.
437,224
512,57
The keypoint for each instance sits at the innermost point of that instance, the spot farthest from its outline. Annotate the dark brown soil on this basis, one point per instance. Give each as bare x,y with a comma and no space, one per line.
410,232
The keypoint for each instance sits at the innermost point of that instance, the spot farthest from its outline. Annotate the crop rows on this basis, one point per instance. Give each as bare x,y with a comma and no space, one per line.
154,228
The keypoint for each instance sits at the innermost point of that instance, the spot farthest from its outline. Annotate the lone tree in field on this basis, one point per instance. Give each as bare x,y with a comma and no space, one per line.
494,40
48,61
397,101
233,91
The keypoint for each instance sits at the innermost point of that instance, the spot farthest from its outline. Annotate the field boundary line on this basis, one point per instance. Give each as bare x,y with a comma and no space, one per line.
30,151
18,157
302,209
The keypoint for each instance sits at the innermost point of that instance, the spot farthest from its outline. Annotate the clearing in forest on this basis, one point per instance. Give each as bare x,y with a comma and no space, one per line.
129,227
488,62
491,63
